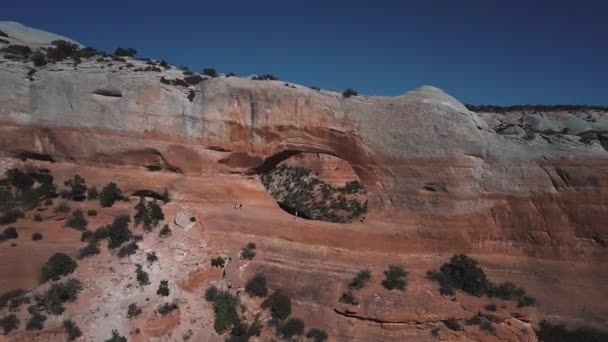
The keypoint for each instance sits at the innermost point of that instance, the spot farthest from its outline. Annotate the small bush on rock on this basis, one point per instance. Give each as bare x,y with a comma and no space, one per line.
77,221
109,195
36,236
116,337
360,280
163,288
9,323
71,329
349,92
396,278
133,311
292,328
317,335
452,324
142,276
256,286
58,265
279,304
166,308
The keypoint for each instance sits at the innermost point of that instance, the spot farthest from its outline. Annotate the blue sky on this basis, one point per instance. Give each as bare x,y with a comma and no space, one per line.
483,52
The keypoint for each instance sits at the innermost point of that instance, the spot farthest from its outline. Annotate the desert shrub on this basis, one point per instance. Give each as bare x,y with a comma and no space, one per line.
526,301
102,232
128,249
559,333
118,232
279,304
164,64
39,59
315,88
18,179
210,72
12,296
61,50
218,262
163,288
256,286
77,221
248,252
71,329
349,92
18,50
11,216
292,328
166,308
9,233
163,80
224,307
36,320
490,307
52,300
266,77
474,320
191,95
396,278
128,52
116,337
151,257
92,212
63,207
78,188
317,335
360,280
36,236
487,325
348,298
165,196
193,79
92,193
58,265
9,323
452,324
109,194
133,311
142,276
148,214
92,248
164,231
38,218
2,34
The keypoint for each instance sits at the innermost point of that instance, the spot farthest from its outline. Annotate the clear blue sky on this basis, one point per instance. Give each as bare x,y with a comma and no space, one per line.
484,52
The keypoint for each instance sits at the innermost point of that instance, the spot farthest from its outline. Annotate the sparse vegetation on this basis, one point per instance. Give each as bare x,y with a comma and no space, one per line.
77,220
92,248
396,278
92,212
532,108
166,308
487,325
58,265
256,286
109,195
164,231
248,252
118,232
349,92
128,249
474,320
348,298
224,307
452,324
39,59
142,276
360,280
279,304
78,188
9,323
122,52
9,233
63,207
92,193
266,77
71,329
36,320
292,328
151,257
38,218
559,333
315,88
163,288
36,236
133,311
148,214
13,298
209,72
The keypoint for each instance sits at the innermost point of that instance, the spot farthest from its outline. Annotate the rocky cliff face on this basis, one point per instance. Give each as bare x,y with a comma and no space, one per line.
439,177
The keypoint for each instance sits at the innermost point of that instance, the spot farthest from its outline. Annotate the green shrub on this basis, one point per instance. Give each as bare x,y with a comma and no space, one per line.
77,221
18,179
292,328
224,307
218,262
164,231
38,218
92,212
142,276
279,304
52,300
58,265
349,92
36,320
78,188
360,280
248,252
558,333
315,88
12,296
210,72
128,249
396,278
29,199
92,193
133,311
9,323
266,77
39,59
166,308
92,248
118,232
348,298
163,288
71,329
63,207
452,324
256,286
317,335
116,337
11,216
151,257
36,236
9,233
149,214
122,52
487,326
474,320
109,194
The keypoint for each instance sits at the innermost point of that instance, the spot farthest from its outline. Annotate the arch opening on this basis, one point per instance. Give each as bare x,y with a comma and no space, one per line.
314,186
